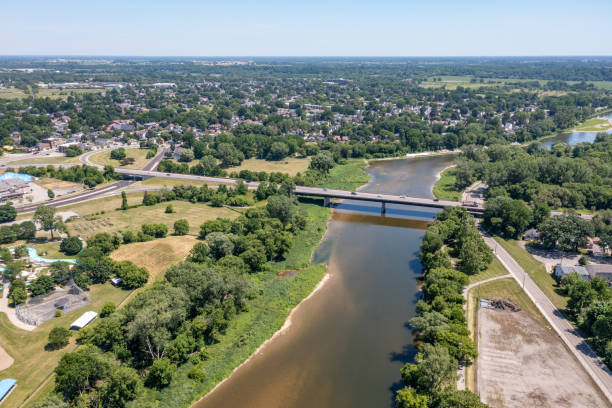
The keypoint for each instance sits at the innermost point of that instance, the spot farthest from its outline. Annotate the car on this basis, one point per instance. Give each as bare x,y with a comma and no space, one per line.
378,195
167,174
402,196
324,189
436,199
353,192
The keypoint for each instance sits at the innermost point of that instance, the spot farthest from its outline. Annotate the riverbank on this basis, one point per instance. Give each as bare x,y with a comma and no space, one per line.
444,187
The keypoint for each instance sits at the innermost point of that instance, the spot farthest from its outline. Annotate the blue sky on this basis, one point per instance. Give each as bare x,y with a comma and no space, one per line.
306,28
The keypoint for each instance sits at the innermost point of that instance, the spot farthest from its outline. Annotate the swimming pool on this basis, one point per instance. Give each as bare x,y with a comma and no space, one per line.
24,177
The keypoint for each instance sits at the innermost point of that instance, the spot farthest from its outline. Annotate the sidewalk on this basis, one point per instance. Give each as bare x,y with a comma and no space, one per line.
593,365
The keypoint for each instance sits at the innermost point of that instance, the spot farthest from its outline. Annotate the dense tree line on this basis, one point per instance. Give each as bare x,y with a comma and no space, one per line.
440,324
88,175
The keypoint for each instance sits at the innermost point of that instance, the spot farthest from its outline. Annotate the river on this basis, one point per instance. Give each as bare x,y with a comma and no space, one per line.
346,344
573,138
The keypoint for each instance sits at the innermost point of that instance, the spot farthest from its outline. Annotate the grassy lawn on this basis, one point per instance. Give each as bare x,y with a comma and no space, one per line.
33,366
10,93
594,125
64,93
140,155
536,271
53,183
349,176
115,220
157,255
50,250
494,269
250,329
289,165
47,160
444,189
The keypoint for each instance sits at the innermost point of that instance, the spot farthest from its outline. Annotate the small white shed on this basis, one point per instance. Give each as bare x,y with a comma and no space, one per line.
84,320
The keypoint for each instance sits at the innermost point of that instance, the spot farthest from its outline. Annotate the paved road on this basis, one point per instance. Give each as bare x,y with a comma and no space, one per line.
593,365
80,197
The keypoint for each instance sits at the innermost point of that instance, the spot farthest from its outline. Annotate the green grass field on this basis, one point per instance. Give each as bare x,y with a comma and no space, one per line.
11,93
444,189
289,165
349,176
536,271
140,155
594,125
114,220
494,269
47,160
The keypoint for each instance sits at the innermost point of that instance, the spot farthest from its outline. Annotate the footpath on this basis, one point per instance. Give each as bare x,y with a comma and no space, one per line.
593,365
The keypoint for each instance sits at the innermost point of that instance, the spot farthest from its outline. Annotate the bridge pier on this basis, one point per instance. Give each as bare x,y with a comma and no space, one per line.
326,202
383,209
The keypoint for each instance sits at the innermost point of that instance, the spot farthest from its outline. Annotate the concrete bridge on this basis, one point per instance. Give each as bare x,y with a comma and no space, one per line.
384,199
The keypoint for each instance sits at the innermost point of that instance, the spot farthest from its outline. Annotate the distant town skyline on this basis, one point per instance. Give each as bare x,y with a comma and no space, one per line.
313,28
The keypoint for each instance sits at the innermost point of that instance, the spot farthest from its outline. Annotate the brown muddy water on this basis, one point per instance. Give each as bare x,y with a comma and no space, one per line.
346,344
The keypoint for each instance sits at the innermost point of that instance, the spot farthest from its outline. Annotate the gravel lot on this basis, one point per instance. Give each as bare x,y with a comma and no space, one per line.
522,364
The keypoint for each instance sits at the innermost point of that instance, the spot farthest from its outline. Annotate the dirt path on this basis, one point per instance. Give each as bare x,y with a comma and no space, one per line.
5,360
522,364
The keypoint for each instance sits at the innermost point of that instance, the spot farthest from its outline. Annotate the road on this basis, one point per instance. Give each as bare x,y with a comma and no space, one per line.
593,365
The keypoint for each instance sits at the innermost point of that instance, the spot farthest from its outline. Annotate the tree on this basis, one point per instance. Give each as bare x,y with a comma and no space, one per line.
220,245
475,256
124,202
42,284
155,230
71,245
8,213
433,370
51,401
181,227
540,212
169,209
122,385
566,232
278,151
161,373
199,253
429,324
322,161
18,293
229,155
108,308
459,399
50,193
506,216
45,217
79,372
408,398
186,155
118,154
280,207
132,276
105,242
60,271
58,338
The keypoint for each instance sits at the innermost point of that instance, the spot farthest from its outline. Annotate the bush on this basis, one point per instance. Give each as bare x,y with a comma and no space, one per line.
583,260
181,227
71,245
118,154
155,230
132,275
197,373
108,308
169,209
58,313
58,338
161,373
42,285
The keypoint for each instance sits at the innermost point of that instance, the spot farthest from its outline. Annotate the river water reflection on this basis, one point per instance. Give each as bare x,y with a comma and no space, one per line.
347,343
573,138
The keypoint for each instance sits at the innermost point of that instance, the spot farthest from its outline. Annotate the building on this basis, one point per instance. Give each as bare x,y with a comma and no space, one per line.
600,270
12,188
84,320
564,270
6,386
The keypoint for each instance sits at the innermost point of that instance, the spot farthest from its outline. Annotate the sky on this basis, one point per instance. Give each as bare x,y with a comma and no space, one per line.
306,28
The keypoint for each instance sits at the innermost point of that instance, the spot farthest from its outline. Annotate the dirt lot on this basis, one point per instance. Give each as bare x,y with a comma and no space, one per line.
522,364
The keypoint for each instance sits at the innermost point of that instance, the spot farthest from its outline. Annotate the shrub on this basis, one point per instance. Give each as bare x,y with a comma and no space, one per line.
58,338
71,245
181,227
132,275
169,209
155,230
118,154
108,308
197,373
161,373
